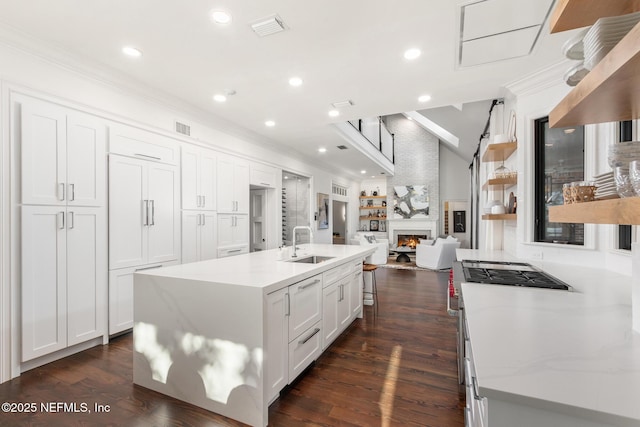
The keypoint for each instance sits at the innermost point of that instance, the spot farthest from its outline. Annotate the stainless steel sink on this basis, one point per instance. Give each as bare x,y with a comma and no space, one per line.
313,259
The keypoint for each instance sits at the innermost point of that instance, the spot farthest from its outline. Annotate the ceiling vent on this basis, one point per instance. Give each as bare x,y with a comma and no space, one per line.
342,147
342,104
267,26
183,129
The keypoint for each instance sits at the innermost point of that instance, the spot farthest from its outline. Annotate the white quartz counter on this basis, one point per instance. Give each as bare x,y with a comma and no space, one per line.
263,269
568,352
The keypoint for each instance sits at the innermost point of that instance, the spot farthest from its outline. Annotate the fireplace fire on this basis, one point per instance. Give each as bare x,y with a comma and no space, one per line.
410,240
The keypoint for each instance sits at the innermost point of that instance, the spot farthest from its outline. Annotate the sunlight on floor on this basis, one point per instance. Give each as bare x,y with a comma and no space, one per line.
389,387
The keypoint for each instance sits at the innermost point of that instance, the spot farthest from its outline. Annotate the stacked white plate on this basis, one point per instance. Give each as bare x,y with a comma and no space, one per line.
623,153
606,186
604,35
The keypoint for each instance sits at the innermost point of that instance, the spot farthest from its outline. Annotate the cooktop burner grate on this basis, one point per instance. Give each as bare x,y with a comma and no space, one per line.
526,277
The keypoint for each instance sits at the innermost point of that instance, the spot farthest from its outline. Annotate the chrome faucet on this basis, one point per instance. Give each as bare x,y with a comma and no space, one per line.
300,227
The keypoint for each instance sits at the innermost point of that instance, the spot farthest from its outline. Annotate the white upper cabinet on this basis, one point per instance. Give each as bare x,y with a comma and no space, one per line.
198,178
232,185
134,142
263,175
143,212
63,156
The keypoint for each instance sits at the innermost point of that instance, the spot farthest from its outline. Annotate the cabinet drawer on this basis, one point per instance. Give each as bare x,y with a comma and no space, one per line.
304,350
231,251
337,273
134,142
306,305
263,176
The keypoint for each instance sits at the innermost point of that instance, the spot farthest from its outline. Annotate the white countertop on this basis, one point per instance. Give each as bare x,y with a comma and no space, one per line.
556,349
263,269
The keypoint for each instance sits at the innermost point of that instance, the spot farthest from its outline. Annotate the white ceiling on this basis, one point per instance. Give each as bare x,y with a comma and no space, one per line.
343,50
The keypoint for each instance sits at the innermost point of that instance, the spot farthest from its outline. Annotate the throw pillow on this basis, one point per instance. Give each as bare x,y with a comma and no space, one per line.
370,239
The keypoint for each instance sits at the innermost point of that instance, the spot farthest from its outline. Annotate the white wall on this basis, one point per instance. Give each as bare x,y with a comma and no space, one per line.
534,97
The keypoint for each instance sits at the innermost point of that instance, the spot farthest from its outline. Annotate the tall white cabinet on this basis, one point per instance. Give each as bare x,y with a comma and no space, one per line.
198,203
144,220
63,227
233,205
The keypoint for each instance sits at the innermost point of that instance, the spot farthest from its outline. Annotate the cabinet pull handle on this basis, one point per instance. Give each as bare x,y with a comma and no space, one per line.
153,212
146,212
72,191
61,191
341,292
265,184
234,251
197,201
203,220
474,388
198,223
304,341
148,157
62,220
359,273
287,305
309,284
204,201
147,268
71,220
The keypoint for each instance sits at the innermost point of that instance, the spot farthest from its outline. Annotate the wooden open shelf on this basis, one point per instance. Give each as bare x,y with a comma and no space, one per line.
614,211
499,152
571,14
382,218
500,217
373,207
373,197
498,183
609,93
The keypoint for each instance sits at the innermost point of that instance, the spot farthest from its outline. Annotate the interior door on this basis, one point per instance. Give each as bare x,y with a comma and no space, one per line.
258,222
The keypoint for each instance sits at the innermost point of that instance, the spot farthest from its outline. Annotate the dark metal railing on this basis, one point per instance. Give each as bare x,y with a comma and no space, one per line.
376,138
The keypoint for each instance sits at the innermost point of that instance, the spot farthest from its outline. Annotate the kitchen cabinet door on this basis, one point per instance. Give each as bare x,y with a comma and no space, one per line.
43,153
225,189
226,224
190,184
164,225
86,160
241,186
208,236
207,172
241,230
330,329
277,356
121,300
43,291
344,304
306,305
86,273
190,236
355,291
127,212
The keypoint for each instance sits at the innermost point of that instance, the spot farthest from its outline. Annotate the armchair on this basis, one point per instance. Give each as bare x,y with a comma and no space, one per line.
438,256
381,254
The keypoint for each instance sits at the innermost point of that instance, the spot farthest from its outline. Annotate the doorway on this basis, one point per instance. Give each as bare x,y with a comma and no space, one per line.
295,205
339,222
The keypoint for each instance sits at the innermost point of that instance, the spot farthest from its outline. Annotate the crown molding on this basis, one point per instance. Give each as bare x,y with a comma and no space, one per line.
541,79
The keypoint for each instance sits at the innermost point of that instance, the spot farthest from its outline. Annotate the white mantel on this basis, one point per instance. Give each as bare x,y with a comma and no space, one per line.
413,225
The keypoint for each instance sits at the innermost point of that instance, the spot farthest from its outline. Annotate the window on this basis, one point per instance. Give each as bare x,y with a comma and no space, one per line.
559,159
624,231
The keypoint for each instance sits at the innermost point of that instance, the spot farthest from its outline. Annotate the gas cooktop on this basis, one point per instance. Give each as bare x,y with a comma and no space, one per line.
511,274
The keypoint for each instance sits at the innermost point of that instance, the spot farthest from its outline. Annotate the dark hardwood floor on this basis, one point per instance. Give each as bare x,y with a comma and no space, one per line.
394,369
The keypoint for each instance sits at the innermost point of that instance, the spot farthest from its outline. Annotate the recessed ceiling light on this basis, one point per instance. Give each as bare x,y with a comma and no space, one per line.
334,113
219,97
270,123
412,54
373,176
363,171
221,17
410,118
424,98
286,177
322,150
295,81
132,51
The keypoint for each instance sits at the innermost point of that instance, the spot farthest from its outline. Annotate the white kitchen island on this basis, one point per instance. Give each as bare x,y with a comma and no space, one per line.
550,357
228,334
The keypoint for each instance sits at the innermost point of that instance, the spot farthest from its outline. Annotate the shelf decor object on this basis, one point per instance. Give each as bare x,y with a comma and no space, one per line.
613,211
